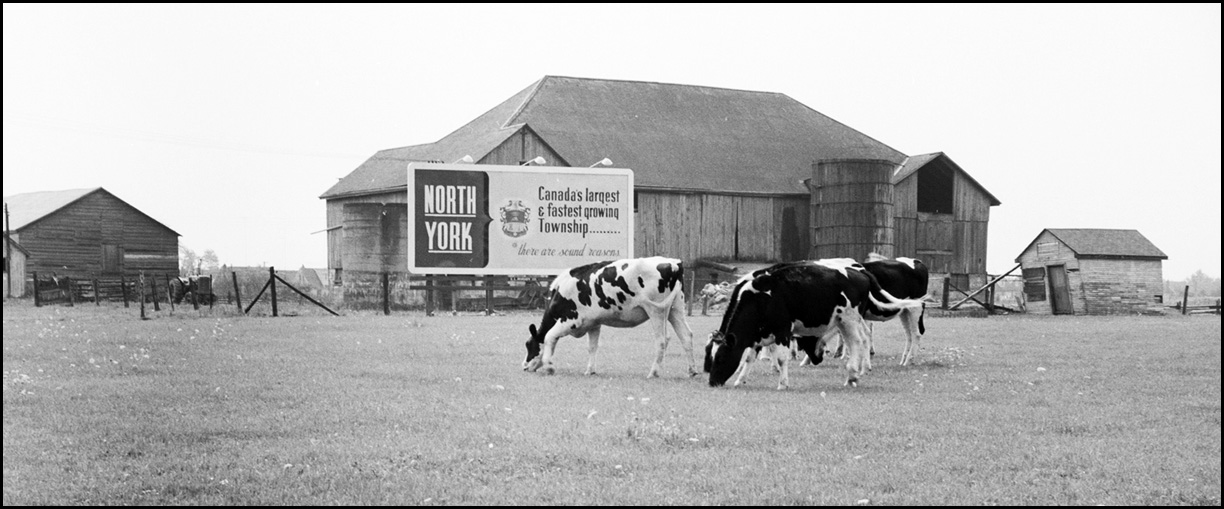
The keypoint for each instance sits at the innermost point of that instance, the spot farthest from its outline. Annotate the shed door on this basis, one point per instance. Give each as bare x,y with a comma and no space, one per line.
1060,295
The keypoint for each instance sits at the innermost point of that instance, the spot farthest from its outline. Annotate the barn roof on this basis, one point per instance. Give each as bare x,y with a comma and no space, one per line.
915,163
27,208
1097,242
675,137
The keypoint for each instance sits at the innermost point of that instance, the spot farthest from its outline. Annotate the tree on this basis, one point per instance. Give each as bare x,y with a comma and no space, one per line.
187,260
211,263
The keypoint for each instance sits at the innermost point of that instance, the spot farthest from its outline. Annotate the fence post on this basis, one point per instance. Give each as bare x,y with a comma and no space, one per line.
140,290
37,303
123,289
488,282
169,293
272,282
1186,300
71,297
237,296
153,287
96,292
195,294
429,294
386,294
947,283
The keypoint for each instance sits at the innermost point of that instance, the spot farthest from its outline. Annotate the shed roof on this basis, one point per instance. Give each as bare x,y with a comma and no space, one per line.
27,208
1098,242
678,137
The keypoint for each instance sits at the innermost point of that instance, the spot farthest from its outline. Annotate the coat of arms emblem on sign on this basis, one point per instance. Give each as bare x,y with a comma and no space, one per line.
514,216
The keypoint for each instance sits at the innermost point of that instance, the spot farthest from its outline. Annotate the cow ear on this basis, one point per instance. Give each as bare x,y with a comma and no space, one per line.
532,329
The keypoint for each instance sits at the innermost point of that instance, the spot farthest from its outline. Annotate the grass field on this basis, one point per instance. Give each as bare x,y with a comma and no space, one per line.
103,408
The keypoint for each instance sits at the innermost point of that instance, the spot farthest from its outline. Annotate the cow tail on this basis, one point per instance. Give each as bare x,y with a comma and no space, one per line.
922,326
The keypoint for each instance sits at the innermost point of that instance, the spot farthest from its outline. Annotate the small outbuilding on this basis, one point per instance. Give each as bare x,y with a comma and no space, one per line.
1090,271
15,258
89,233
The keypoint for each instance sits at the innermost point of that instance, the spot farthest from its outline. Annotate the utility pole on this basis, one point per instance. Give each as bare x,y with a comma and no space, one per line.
8,254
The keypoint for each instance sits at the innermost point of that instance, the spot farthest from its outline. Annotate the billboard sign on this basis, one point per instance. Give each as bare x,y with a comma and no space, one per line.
491,219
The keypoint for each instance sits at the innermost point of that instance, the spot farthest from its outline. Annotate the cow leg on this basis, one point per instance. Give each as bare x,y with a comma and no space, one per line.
745,366
851,327
782,360
868,331
909,319
658,322
592,347
548,349
683,332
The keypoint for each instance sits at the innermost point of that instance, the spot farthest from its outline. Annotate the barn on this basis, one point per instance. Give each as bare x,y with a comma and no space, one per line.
1089,271
719,174
15,259
87,233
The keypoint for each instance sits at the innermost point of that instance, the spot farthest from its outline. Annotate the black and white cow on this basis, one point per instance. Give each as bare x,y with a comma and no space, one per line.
621,293
809,298
904,278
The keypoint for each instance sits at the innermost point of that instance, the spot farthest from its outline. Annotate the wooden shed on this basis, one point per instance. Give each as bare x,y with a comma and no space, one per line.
1092,272
718,173
89,233
15,260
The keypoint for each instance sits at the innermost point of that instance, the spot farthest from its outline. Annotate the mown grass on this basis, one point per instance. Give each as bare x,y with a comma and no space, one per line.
103,408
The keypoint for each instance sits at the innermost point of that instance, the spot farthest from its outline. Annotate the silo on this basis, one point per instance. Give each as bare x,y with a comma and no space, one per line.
852,208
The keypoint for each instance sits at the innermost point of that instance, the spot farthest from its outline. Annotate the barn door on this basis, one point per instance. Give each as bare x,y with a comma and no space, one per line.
791,249
112,259
1060,294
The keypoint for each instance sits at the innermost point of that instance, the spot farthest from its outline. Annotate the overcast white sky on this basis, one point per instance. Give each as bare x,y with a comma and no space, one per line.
227,122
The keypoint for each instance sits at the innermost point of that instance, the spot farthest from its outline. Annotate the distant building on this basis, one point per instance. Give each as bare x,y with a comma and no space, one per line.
86,233
719,174
1092,272
15,258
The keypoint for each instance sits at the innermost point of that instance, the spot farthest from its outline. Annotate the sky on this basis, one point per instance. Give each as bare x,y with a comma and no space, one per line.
227,122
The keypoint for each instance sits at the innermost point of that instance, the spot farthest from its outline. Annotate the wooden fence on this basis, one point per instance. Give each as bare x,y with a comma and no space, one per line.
67,290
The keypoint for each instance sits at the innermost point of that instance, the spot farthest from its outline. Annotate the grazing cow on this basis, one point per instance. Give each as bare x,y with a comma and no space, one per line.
621,293
904,278
809,298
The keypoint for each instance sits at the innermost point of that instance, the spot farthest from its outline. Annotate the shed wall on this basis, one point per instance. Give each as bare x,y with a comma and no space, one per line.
70,241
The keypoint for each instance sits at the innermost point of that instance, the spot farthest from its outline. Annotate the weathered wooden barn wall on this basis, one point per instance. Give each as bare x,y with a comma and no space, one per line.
97,235
524,145
718,226
952,243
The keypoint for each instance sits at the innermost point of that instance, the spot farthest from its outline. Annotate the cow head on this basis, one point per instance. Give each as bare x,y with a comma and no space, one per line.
532,362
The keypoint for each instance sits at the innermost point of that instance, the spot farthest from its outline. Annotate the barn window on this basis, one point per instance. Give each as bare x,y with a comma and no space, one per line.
635,201
1034,284
336,277
1159,299
935,185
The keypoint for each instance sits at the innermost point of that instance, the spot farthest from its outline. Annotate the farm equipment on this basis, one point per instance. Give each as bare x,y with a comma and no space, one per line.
199,286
